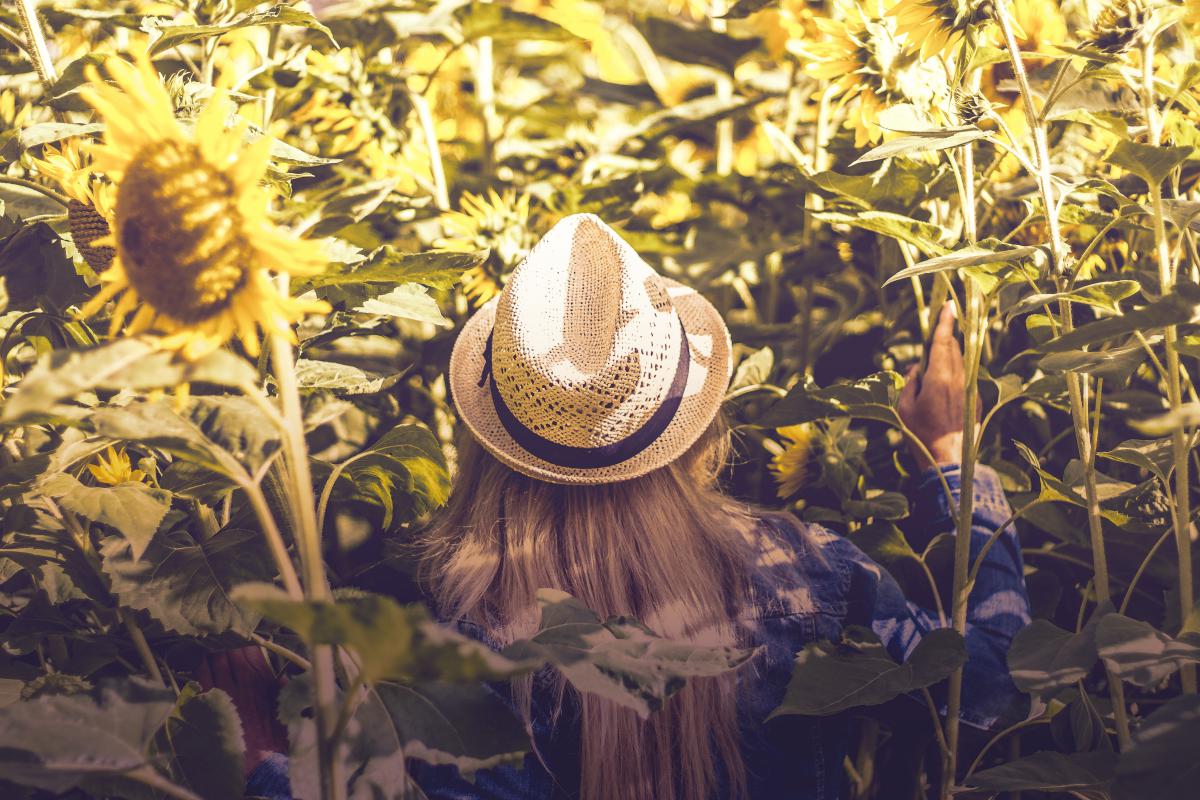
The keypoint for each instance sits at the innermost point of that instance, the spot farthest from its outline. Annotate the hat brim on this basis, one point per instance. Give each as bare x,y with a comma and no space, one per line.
708,380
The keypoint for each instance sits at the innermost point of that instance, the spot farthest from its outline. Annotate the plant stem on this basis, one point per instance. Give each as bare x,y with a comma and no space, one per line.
275,543
1179,437
333,784
35,39
1077,386
281,651
441,194
61,199
141,646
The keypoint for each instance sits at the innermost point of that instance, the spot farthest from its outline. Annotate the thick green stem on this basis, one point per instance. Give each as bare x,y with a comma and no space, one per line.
35,39
1179,437
333,783
1077,386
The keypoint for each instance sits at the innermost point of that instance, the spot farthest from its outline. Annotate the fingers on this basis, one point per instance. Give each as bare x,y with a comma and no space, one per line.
945,357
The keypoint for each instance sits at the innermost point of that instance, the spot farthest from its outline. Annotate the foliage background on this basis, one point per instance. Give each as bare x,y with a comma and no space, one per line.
787,158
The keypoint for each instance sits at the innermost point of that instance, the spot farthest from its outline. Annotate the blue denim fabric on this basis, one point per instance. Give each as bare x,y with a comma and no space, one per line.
808,585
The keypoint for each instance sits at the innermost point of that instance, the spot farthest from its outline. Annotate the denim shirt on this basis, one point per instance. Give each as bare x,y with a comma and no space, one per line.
808,584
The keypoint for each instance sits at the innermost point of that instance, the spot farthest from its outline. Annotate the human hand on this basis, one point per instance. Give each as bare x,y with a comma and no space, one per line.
931,405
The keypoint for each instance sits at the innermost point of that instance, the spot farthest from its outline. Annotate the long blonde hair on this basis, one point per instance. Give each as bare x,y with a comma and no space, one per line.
667,548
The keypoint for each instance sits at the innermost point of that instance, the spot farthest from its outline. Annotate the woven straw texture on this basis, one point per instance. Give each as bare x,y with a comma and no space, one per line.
586,339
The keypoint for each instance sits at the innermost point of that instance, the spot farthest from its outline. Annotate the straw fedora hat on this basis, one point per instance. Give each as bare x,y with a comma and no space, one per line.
590,367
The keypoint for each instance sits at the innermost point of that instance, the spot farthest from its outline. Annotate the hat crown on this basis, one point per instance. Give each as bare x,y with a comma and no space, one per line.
586,339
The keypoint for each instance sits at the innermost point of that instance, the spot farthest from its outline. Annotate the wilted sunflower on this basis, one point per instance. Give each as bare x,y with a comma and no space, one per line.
190,227
91,200
1119,25
498,222
790,465
938,25
113,467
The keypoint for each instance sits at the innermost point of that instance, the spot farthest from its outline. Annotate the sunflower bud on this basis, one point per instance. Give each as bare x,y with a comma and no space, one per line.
970,106
1119,25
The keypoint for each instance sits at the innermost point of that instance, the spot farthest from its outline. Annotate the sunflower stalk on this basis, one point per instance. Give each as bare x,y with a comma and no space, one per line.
35,39
1077,384
333,782
1179,436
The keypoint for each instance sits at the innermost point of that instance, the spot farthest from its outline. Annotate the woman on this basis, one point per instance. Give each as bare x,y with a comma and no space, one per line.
591,391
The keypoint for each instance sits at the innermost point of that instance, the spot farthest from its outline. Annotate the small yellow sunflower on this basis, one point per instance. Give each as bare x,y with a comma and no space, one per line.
91,200
498,222
790,465
194,245
939,25
114,466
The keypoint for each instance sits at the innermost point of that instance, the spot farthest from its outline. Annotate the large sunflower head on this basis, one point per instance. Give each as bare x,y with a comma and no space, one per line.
194,245
790,464
938,25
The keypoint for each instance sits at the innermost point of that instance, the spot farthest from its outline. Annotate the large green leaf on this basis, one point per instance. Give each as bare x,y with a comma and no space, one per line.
1181,306
922,142
694,45
970,256
873,397
618,659
479,19
170,36
1162,763
132,508
1044,658
830,677
924,235
342,379
187,584
391,641
1136,652
404,469
1151,163
409,301
203,736
439,724
348,284
57,742
1105,295
1048,771
130,364
226,435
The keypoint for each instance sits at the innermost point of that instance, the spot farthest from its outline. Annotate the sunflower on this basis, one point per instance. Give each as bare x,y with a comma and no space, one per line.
1119,25
499,222
194,245
862,56
939,24
790,465
113,467
91,200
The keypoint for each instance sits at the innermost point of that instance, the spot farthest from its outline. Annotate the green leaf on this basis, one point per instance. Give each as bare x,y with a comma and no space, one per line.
1186,416
170,36
1115,365
1048,771
58,742
873,397
410,301
1105,295
132,508
352,205
48,132
186,584
342,379
696,45
405,466
226,435
500,22
1162,762
1149,162
887,545
130,364
391,641
753,370
1179,307
438,723
1154,455
922,142
970,256
744,8
437,269
37,272
618,659
203,735
829,677
924,235
1136,652
1044,658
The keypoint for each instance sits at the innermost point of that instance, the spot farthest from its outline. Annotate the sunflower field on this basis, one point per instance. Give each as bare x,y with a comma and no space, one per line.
237,239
